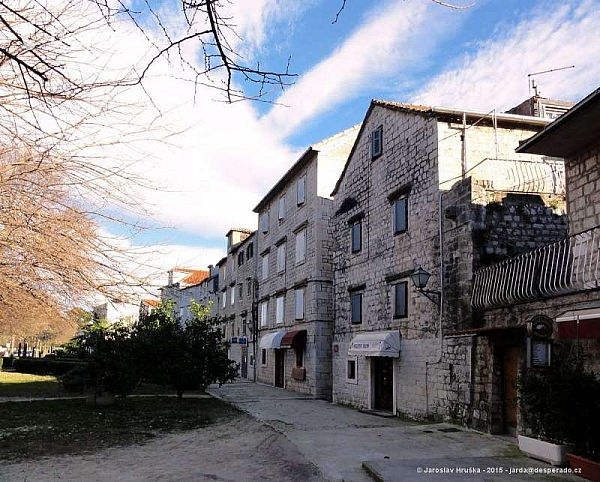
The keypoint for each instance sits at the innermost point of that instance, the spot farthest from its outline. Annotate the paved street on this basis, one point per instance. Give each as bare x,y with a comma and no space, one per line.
340,440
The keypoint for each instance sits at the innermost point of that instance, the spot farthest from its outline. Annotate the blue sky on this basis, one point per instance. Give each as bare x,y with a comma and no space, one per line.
228,156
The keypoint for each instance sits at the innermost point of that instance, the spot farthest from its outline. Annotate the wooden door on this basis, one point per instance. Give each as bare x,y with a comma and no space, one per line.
509,384
279,367
383,373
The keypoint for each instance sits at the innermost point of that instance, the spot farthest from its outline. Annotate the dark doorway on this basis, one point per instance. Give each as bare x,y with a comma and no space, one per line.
383,377
510,357
244,362
279,367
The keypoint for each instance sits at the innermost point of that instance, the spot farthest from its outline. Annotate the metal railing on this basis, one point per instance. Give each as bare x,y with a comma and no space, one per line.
567,266
546,176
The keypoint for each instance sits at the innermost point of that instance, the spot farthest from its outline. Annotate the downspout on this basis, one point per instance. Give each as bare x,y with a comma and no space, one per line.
441,307
464,146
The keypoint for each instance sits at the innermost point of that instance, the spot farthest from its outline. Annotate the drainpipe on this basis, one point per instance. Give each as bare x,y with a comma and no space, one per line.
441,308
464,147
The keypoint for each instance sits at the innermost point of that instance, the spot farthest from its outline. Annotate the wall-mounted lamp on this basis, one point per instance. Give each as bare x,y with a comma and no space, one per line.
420,278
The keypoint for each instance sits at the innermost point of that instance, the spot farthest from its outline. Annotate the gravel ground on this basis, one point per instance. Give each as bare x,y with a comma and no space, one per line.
241,449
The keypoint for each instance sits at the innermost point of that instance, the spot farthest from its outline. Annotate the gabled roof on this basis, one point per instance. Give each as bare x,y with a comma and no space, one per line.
571,132
308,155
438,112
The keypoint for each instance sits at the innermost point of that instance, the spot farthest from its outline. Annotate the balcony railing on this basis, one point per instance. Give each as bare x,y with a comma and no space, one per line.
567,266
544,176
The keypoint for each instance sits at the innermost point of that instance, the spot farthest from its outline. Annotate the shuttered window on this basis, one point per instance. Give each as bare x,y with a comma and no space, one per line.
377,142
400,214
281,258
300,246
264,313
400,299
280,310
281,211
356,233
299,304
300,187
265,266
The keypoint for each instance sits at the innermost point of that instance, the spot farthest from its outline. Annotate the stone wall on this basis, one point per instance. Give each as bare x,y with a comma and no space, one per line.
583,195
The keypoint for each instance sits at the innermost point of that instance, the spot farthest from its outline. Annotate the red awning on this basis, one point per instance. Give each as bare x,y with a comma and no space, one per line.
294,339
588,329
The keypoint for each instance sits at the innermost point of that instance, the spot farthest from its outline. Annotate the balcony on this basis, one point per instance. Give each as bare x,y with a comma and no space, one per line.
568,266
546,176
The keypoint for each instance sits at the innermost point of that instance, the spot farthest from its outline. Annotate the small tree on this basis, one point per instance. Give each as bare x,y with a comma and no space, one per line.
185,356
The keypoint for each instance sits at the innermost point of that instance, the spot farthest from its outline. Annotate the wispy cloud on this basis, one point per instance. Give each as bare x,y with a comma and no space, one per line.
391,40
495,76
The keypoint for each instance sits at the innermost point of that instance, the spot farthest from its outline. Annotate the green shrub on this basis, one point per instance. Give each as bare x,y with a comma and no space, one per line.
1,362
74,380
43,366
562,405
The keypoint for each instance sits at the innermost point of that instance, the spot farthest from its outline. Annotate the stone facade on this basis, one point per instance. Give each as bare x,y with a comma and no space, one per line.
583,195
295,269
425,163
235,297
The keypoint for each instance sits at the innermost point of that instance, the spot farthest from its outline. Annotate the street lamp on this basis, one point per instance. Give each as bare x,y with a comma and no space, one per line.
420,278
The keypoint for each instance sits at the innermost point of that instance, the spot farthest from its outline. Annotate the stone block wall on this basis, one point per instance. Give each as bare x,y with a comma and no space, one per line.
583,195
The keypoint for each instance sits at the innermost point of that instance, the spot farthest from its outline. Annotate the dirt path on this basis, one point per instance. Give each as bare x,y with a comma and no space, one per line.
241,449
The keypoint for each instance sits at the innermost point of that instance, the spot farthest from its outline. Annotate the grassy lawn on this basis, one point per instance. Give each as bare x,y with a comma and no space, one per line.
44,428
14,384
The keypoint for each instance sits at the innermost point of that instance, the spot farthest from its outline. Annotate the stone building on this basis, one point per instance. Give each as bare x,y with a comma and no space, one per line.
441,189
533,304
236,293
294,271
185,285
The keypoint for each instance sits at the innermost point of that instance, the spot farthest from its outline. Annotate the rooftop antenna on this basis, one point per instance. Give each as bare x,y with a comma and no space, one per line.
531,81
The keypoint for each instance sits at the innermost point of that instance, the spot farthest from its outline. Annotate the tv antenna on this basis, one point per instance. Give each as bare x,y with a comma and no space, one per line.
531,81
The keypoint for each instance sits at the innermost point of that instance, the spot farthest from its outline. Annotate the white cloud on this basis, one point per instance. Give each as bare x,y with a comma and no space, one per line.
395,39
549,37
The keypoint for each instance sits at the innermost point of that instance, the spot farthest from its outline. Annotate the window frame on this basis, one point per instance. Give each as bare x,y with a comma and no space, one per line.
263,357
395,287
264,222
354,294
301,199
265,267
395,203
232,297
281,253
299,352
264,314
224,299
281,208
354,361
250,251
375,153
353,226
280,310
303,305
240,258
301,232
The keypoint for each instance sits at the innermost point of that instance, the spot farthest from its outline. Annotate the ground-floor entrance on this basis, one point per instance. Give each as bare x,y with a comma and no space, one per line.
510,357
383,383
279,368
244,362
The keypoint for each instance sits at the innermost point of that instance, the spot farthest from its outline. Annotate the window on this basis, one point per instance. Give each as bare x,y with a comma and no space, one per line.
263,357
400,300
356,232
241,291
299,304
265,266
400,213
264,222
224,273
300,246
299,357
244,326
351,375
264,313
249,288
281,258
232,295
224,298
377,142
281,211
280,309
241,258
356,307
300,186
250,251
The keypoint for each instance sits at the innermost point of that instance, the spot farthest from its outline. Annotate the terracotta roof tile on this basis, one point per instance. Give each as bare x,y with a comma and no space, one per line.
196,277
